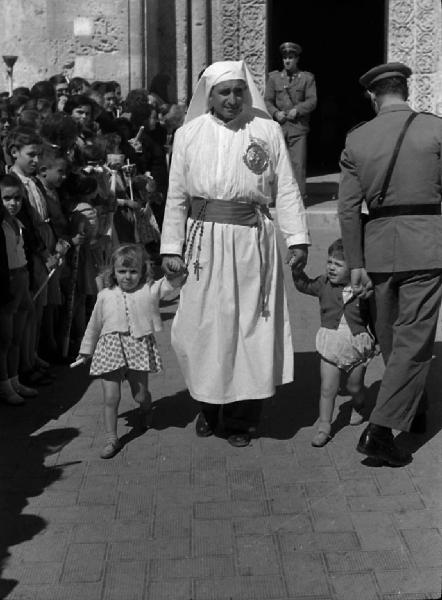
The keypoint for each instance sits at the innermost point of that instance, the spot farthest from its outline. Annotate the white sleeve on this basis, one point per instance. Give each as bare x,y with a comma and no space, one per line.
177,204
290,211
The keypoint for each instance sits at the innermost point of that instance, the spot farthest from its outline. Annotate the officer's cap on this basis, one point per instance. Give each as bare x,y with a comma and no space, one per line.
290,47
393,69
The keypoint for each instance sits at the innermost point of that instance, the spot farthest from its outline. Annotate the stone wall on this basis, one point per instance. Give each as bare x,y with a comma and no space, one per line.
415,38
102,37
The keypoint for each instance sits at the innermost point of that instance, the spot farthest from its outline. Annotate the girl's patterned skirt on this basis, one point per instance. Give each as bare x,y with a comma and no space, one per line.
122,350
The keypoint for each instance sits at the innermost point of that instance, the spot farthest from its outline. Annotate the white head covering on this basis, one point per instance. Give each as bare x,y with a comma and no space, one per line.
217,73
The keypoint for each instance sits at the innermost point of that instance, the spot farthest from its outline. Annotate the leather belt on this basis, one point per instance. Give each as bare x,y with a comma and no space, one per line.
400,210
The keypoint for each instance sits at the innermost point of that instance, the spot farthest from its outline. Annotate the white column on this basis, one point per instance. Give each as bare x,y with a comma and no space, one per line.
199,38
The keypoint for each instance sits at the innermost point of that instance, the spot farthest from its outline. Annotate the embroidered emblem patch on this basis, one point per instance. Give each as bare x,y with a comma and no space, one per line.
256,157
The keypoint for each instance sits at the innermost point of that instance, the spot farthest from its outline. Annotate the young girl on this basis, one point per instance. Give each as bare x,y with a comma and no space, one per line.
343,340
120,334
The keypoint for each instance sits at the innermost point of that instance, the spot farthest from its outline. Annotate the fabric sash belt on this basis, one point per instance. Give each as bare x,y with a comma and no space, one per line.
229,212
400,210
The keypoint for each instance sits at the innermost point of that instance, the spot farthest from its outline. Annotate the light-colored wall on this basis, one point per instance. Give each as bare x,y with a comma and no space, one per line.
102,36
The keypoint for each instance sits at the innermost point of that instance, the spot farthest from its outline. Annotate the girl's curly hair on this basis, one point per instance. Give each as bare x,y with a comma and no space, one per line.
130,255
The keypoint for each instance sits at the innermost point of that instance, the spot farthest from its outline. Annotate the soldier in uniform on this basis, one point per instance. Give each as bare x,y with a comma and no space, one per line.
290,97
401,256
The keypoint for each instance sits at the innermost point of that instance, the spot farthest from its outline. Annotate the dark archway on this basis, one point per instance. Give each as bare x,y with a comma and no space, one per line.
341,39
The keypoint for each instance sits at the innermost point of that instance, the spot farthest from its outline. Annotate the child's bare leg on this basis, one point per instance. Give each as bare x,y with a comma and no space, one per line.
139,386
355,387
330,377
111,384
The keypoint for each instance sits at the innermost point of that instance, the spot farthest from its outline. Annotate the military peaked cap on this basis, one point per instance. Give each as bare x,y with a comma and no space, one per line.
290,47
393,69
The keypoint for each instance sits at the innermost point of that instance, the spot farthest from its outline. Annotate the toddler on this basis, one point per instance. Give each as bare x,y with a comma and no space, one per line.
120,334
343,340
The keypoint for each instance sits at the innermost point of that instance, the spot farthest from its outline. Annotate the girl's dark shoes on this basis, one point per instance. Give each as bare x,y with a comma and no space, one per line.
202,427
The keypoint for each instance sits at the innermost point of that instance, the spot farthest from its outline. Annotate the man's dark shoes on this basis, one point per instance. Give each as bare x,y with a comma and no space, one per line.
239,440
202,427
377,442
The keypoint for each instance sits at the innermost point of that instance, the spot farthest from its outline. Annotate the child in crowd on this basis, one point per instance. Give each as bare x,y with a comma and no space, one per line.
24,147
13,314
343,341
120,334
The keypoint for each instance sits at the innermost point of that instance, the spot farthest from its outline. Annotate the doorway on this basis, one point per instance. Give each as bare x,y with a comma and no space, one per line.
341,39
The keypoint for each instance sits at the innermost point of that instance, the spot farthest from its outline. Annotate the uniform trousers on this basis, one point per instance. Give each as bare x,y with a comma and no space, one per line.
406,308
238,417
297,147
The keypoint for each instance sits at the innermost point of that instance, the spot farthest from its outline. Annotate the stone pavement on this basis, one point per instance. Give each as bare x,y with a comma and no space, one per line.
175,517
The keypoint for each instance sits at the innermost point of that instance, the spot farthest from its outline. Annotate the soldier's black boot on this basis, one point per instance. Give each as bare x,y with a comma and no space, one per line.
377,442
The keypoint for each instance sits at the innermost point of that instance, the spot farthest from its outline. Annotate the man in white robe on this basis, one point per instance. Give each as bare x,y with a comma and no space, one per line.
231,332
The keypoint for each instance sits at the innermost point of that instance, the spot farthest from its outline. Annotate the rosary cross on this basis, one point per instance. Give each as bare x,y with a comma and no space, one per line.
197,269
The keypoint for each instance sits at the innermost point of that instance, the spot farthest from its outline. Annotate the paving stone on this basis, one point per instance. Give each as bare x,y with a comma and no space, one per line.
135,504
414,519
173,523
84,563
49,547
77,514
102,489
410,581
431,491
315,540
358,561
425,545
125,581
287,501
388,504
398,482
272,447
190,495
246,484
267,587
305,574
179,589
228,510
149,548
376,531
330,514
257,555
79,591
103,531
357,585
32,572
202,566
173,479
211,537
351,487
54,498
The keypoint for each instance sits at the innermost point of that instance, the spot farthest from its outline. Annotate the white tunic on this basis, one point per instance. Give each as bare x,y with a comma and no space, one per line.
228,349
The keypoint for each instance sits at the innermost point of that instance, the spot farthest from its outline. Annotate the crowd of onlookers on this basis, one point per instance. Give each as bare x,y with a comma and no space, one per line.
82,170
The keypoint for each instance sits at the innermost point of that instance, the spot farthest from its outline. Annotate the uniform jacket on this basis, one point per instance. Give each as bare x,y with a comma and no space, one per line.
109,314
399,243
300,93
332,304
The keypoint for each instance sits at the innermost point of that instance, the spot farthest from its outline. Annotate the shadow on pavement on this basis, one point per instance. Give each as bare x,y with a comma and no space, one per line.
295,404
174,411
25,459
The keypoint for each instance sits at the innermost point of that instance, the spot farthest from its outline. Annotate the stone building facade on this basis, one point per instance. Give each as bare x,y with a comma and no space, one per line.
134,40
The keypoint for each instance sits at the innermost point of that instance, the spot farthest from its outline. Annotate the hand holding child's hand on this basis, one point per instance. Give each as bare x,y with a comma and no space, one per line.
361,283
297,257
172,265
78,239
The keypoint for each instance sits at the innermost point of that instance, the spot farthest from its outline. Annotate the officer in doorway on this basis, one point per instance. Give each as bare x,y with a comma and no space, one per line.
290,97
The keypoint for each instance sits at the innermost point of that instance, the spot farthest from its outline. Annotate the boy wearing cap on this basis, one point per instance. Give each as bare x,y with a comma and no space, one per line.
400,258
290,97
